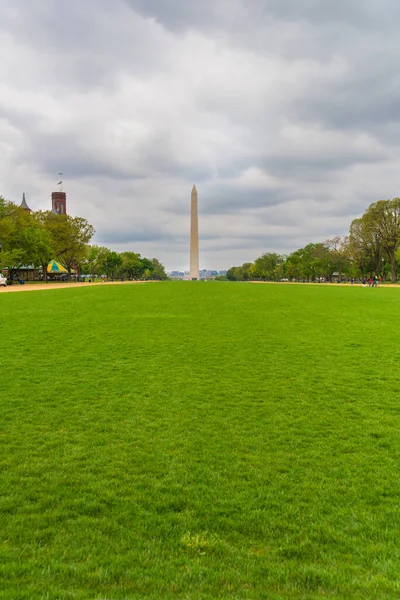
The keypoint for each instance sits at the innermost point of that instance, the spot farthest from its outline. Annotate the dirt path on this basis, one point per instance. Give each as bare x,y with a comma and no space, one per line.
383,285
54,286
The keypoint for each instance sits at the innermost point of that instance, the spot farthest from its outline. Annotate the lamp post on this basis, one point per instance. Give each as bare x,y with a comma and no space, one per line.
383,269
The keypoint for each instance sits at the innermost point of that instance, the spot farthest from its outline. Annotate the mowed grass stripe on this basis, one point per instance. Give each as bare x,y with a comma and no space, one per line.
200,440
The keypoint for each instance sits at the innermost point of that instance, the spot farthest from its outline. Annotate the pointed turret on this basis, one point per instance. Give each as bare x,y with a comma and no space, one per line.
24,204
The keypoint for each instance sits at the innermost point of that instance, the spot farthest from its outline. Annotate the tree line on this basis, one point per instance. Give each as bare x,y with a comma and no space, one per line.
130,265
372,248
37,237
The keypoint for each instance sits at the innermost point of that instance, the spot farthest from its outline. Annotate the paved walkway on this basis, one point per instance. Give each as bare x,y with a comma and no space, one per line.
348,285
54,286
35,287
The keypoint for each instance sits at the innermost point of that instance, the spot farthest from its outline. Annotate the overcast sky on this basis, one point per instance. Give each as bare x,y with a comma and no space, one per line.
284,113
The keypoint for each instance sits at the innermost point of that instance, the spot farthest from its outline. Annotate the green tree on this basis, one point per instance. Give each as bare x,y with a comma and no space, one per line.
246,271
147,267
46,251
158,270
292,266
232,273
112,262
132,266
365,248
94,263
382,218
22,237
70,237
305,261
265,266
147,274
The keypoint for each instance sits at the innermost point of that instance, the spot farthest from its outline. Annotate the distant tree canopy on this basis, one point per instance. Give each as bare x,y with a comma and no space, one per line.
371,248
35,238
126,265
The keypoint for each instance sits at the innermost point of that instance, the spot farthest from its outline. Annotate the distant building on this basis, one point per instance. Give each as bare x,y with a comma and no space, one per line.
204,274
59,203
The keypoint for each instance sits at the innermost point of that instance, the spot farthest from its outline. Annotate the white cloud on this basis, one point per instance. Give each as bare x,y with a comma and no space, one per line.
284,114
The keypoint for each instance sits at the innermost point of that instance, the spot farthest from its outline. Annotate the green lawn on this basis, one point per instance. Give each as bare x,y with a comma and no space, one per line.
200,441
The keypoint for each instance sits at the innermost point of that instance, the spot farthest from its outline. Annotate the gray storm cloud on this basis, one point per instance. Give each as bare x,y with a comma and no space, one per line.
284,114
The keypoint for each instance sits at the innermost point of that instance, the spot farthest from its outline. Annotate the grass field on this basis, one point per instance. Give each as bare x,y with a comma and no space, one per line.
200,441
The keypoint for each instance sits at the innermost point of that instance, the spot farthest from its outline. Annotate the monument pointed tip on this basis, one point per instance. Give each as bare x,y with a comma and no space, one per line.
194,188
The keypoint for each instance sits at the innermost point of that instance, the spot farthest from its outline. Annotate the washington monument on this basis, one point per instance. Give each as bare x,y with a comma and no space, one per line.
194,237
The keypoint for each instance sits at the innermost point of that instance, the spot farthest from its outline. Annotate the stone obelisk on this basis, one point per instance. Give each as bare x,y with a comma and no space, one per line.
194,237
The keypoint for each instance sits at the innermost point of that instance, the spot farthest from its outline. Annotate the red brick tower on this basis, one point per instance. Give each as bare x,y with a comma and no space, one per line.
59,203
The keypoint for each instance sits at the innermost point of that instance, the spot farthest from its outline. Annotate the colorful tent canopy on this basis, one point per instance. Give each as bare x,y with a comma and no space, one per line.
55,267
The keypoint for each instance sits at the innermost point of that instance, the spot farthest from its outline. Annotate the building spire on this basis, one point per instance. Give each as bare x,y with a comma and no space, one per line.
24,204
